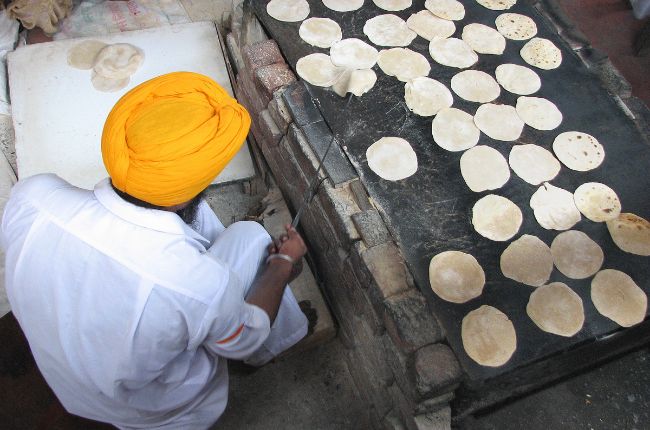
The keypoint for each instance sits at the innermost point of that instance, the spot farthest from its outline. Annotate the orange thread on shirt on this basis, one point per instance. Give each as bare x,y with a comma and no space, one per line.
232,336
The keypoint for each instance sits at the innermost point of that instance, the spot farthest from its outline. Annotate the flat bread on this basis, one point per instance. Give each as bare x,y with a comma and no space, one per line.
318,69
475,86
288,10
484,39
446,9
118,61
108,85
489,337
320,32
556,308
456,276
518,79
393,5
82,55
403,63
576,255
484,168
597,202
533,163
392,158
496,218
353,54
538,112
452,52
554,208
617,297
454,130
497,4
429,26
388,30
515,26
541,53
357,82
631,233
578,151
425,96
500,122
527,260
343,5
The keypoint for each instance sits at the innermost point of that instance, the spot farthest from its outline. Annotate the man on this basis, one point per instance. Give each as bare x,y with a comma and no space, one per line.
129,311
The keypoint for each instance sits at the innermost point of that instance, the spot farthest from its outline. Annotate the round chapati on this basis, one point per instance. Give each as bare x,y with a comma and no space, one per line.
575,255
488,336
484,168
541,53
533,163
318,69
475,86
288,10
515,26
456,276
496,218
631,233
597,202
500,122
392,158
343,5
454,130
429,26
452,52
518,79
617,297
393,5
539,113
388,30
527,260
108,85
446,9
578,151
82,55
353,54
484,39
554,208
320,32
426,96
497,4
403,63
357,82
556,308
118,61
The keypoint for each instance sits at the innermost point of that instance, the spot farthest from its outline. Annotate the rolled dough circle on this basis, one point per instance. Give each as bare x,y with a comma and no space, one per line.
388,30
454,130
318,69
452,52
500,122
288,10
527,260
489,337
539,113
597,202
446,9
541,53
357,82
456,276
426,96
554,208
515,26
497,4
484,168
108,85
576,255
617,297
118,61
403,63
392,158
353,54
320,32
496,218
475,86
343,5
578,151
484,39
82,55
518,79
429,26
533,163
556,308
393,5
631,233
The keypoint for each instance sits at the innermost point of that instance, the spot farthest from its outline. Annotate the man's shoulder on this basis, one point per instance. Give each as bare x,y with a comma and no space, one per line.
40,185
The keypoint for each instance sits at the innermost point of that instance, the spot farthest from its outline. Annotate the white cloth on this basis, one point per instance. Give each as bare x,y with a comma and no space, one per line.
128,311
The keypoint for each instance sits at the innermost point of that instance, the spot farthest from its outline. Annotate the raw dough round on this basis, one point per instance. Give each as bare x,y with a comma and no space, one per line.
556,308
554,208
497,4
357,82
353,54
403,63
617,297
429,26
320,32
426,96
343,5
452,52
446,9
475,86
527,260
578,151
484,39
454,130
108,85
500,122
456,276
392,158
541,53
576,255
631,233
539,113
393,5
388,30
496,218
317,69
518,79
118,61
288,10
488,336
597,202
82,55
533,163
484,168
515,26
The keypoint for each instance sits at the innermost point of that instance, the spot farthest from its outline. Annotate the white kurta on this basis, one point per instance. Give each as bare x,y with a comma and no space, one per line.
128,311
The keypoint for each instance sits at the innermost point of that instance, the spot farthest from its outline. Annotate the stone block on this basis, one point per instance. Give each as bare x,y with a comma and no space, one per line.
436,370
404,407
371,227
261,54
270,132
235,52
434,404
336,164
410,321
339,205
368,385
279,113
440,420
246,89
300,105
383,270
272,77
360,195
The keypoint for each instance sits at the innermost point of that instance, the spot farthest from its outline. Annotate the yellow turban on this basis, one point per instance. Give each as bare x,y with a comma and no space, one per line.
168,138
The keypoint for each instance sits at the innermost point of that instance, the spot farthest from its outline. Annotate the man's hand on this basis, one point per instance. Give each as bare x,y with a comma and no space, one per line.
290,244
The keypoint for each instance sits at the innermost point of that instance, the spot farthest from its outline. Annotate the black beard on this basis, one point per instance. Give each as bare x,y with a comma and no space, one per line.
189,212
